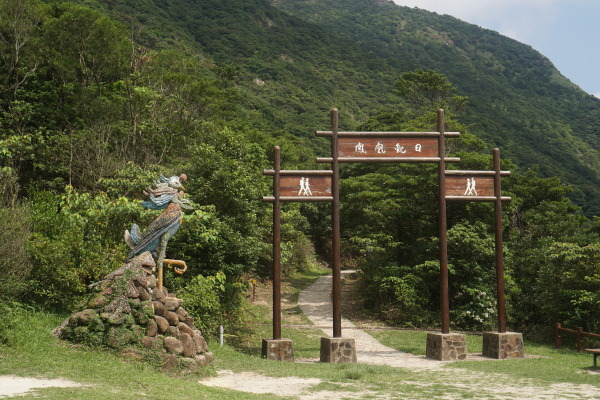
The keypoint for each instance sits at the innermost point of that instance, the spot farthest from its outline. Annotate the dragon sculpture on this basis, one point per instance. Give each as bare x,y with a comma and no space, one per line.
168,197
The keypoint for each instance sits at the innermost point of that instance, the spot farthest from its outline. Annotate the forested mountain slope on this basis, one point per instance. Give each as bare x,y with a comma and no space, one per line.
298,58
290,72
518,100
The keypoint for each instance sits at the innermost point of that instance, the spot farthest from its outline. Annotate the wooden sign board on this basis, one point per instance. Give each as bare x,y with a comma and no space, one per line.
305,186
473,185
470,186
387,147
297,185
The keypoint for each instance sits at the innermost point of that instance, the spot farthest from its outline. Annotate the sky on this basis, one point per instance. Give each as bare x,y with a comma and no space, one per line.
565,31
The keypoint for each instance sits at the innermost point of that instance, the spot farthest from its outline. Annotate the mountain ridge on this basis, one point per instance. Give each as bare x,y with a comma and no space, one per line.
514,71
297,59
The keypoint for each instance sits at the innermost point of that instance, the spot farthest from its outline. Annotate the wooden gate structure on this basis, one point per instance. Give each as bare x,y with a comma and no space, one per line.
323,185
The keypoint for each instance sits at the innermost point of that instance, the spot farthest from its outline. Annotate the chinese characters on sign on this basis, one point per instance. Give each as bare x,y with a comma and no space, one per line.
388,147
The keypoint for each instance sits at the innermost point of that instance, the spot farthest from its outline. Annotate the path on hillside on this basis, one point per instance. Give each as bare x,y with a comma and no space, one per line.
315,303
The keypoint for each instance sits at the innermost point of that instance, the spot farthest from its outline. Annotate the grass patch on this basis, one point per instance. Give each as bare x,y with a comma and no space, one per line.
31,351
413,341
550,366
28,349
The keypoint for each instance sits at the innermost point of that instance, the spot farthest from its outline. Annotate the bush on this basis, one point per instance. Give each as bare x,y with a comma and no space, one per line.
297,252
11,315
75,241
568,287
15,267
202,299
405,295
471,254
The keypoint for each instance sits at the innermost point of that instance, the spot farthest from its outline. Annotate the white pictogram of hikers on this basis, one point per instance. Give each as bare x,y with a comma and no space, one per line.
471,191
304,187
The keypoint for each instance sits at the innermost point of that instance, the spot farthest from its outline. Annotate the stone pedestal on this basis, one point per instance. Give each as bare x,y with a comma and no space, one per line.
278,349
338,350
503,345
446,346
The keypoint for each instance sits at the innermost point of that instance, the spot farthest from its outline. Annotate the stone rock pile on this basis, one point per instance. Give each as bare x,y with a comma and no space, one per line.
129,310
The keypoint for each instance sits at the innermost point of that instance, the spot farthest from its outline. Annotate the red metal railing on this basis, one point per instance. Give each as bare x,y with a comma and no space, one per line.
579,332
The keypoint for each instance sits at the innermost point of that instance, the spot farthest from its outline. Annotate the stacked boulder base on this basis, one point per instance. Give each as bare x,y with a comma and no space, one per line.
129,310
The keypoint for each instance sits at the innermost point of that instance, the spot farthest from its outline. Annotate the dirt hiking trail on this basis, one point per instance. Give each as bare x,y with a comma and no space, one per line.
315,303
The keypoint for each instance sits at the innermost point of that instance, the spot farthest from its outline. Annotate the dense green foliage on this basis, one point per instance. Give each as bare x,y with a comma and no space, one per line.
89,119
390,215
98,98
518,101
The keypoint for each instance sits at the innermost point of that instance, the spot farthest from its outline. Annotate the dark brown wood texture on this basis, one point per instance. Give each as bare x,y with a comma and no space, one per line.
499,245
580,336
305,185
336,257
443,228
388,147
277,248
463,186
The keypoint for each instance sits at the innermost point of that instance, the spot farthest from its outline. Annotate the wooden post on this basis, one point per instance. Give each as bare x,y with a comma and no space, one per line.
159,282
335,229
288,186
557,337
277,248
579,339
499,246
442,224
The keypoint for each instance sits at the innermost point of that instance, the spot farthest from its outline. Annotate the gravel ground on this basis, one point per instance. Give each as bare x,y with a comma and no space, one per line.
315,303
16,385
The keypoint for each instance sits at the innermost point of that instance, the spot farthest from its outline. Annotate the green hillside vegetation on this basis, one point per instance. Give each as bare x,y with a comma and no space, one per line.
350,52
99,98
289,72
518,101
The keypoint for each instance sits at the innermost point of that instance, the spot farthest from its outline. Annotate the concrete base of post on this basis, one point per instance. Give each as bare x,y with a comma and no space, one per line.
503,345
278,349
338,350
446,346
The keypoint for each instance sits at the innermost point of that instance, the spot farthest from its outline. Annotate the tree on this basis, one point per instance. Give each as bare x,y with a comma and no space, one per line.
18,21
428,90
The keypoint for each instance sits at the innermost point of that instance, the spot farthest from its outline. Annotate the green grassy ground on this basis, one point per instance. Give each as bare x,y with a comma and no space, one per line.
29,350
543,363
